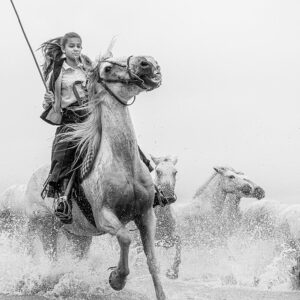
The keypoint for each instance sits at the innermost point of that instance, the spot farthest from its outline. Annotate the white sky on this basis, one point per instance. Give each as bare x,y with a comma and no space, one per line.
230,93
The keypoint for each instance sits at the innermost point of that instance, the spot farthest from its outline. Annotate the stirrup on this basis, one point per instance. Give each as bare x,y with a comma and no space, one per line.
45,189
63,209
63,205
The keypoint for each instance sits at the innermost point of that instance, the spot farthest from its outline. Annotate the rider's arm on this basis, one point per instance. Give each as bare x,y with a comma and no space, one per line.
48,96
48,99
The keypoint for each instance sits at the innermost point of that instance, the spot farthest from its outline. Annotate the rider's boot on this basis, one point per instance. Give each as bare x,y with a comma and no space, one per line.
63,203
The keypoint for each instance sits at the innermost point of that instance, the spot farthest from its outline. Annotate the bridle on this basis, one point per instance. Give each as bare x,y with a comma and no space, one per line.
133,79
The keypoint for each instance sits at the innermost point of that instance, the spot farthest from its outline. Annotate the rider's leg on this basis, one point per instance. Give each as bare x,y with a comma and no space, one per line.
63,154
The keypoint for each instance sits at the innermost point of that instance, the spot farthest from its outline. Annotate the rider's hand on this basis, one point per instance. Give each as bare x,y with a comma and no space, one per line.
48,99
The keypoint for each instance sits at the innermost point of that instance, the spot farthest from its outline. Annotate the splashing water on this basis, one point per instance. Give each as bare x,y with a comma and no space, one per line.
243,261
26,275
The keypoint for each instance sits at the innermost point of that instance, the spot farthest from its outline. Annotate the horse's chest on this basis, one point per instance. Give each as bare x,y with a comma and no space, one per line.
127,193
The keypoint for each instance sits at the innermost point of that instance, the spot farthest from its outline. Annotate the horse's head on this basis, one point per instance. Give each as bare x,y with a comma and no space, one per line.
238,184
125,78
165,174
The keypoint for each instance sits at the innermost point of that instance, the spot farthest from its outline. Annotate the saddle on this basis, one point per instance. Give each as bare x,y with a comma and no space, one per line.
63,203
64,196
74,192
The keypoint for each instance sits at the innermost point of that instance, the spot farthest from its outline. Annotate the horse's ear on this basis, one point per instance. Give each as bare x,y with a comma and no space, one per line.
220,170
108,53
175,160
156,160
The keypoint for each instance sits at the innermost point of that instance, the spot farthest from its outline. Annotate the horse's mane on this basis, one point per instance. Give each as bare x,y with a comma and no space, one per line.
86,136
203,187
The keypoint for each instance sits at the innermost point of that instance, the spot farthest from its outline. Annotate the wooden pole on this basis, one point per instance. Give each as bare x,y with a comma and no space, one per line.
34,58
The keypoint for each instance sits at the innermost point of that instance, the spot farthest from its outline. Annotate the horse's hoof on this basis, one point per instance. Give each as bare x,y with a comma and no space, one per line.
116,281
172,274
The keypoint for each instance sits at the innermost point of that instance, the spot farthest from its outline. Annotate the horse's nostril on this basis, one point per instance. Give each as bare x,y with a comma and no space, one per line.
259,193
144,64
246,189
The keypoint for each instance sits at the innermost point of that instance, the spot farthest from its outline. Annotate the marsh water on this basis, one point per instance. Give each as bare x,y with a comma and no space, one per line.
244,267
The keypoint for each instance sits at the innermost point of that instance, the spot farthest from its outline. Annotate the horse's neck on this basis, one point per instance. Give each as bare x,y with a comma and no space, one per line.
231,215
212,195
231,206
118,151
118,140
118,134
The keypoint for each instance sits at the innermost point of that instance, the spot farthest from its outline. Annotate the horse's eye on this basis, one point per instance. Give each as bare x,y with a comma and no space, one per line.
158,172
231,176
107,69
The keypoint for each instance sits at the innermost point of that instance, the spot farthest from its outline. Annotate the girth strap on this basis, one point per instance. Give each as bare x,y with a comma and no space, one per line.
82,202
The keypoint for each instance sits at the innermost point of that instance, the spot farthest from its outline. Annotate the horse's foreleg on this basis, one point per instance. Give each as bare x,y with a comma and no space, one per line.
48,234
48,238
117,279
29,237
146,225
173,272
111,224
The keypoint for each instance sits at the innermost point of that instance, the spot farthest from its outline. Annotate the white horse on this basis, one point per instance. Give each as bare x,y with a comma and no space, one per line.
214,211
164,177
119,187
166,233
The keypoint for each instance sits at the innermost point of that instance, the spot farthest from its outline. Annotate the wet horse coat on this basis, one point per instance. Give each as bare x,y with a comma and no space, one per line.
119,187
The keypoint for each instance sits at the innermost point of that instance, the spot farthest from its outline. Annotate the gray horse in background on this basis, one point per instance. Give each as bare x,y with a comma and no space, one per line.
166,234
164,177
215,208
213,213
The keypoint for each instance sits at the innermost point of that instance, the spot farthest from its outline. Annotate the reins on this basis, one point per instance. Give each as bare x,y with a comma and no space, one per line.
133,79
115,96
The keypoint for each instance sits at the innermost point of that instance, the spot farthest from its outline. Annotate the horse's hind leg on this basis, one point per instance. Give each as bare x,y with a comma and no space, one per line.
146,225
80,244
110,223
48,233
29,236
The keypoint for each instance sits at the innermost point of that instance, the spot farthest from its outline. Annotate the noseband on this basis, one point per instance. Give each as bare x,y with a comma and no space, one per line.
133,79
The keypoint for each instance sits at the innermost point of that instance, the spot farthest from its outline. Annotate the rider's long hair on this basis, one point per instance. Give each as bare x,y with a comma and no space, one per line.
52,52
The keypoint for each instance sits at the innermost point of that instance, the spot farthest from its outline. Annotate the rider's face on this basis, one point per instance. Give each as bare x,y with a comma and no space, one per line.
73,48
